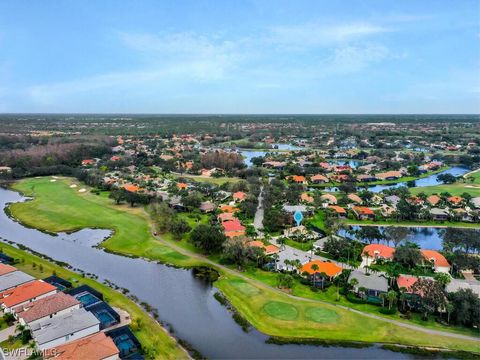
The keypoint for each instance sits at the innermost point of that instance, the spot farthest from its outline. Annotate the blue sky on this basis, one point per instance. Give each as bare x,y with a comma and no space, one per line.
228,56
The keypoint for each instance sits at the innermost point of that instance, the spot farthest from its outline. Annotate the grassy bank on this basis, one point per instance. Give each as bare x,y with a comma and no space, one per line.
57,207
155,340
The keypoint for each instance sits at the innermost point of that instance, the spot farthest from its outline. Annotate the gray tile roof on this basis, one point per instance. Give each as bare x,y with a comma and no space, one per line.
60,326
372,281
14,279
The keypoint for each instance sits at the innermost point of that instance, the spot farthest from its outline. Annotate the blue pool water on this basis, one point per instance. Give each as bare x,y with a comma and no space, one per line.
105,318
87,299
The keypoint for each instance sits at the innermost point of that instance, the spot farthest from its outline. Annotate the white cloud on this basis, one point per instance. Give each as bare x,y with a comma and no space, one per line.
348,59
321,35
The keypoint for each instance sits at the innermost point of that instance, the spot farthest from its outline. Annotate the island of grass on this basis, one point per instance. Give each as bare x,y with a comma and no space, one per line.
156,342
57,207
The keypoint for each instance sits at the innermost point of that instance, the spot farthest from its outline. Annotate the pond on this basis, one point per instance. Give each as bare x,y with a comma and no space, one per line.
429,238
426,181
182,300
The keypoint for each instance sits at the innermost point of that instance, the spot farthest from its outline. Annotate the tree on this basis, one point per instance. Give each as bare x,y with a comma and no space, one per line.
285,281
430,296
449,308
118,195
442,279
163,216
208,238
396,234
237,251
369,233
192,200
391,297
353,283
408,255
446,178
178,227
466,306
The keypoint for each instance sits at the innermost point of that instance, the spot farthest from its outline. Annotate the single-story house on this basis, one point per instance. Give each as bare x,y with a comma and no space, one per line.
330,270
6,269
433,200
64,328
389,175
363,213
207,207
374,284
329,199
268,249
239,196
355,198
439,214
341,212
319,179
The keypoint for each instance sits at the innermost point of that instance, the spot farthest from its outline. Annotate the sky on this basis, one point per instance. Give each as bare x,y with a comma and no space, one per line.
228,56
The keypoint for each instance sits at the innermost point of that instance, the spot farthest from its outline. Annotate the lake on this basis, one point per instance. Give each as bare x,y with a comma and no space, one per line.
182,300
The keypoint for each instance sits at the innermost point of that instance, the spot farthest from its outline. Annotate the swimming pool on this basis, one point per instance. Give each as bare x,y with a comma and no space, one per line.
87,299
105,318
125,344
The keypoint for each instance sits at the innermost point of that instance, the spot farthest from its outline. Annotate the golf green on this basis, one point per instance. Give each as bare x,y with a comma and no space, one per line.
281,310
322,315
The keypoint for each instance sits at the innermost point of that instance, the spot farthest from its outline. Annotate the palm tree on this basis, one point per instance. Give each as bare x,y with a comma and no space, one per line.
392,297
403,296
323,276
314,268
449,308
353,283
383,296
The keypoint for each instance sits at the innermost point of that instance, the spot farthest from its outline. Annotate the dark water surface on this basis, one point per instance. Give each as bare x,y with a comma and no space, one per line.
182,300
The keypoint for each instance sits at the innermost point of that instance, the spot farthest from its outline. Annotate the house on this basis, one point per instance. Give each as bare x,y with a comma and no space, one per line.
406,281
225,217
233,228
363,213
433,200
355,198
374,285
64,328
387,211
372,252
328,199
475,202
228,209
439,214
315,268
440,264
294,208
366,178
207,207
182,186
320,243
306,198
239,196
457,284
392,200
455,201
339,211
115,158
6,269
268,249
94,347
131,188
318,179
299,179
13,279
88,162
279,165
25,294
389,175
45,308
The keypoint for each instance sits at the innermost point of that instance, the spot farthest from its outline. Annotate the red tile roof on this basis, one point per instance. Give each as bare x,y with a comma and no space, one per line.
94,347
239,195
6,269
337,209
438,259
25,292
45,306
363,210
374,250
233,225
406,281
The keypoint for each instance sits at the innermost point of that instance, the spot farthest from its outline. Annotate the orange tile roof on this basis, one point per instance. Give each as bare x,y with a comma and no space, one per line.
455,199
46,306
6,269
225,216
239,195
131,187
383,251
233,234
94,347
228,208
182,186
406,281
307,198
269,249
25,292
433,199
233,225
319,177
363,210
337,209
326,267
115,158
438,259
298,178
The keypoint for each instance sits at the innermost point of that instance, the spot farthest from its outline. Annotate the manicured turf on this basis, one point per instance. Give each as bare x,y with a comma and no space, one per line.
157,343
57,207
281,310
323,316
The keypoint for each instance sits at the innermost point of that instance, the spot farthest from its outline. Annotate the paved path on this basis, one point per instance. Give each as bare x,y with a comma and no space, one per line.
258,220
5,333
265,286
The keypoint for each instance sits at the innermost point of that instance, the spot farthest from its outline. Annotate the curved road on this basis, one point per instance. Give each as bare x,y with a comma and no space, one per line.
265,286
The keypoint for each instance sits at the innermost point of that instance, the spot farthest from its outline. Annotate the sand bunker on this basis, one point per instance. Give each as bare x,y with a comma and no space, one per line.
82,190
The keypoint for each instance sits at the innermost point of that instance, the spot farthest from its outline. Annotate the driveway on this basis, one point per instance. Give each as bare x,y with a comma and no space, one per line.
258,220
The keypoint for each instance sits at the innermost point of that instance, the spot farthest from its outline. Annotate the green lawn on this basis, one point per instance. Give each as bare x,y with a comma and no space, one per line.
155,340
57,207
211,180
318,220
